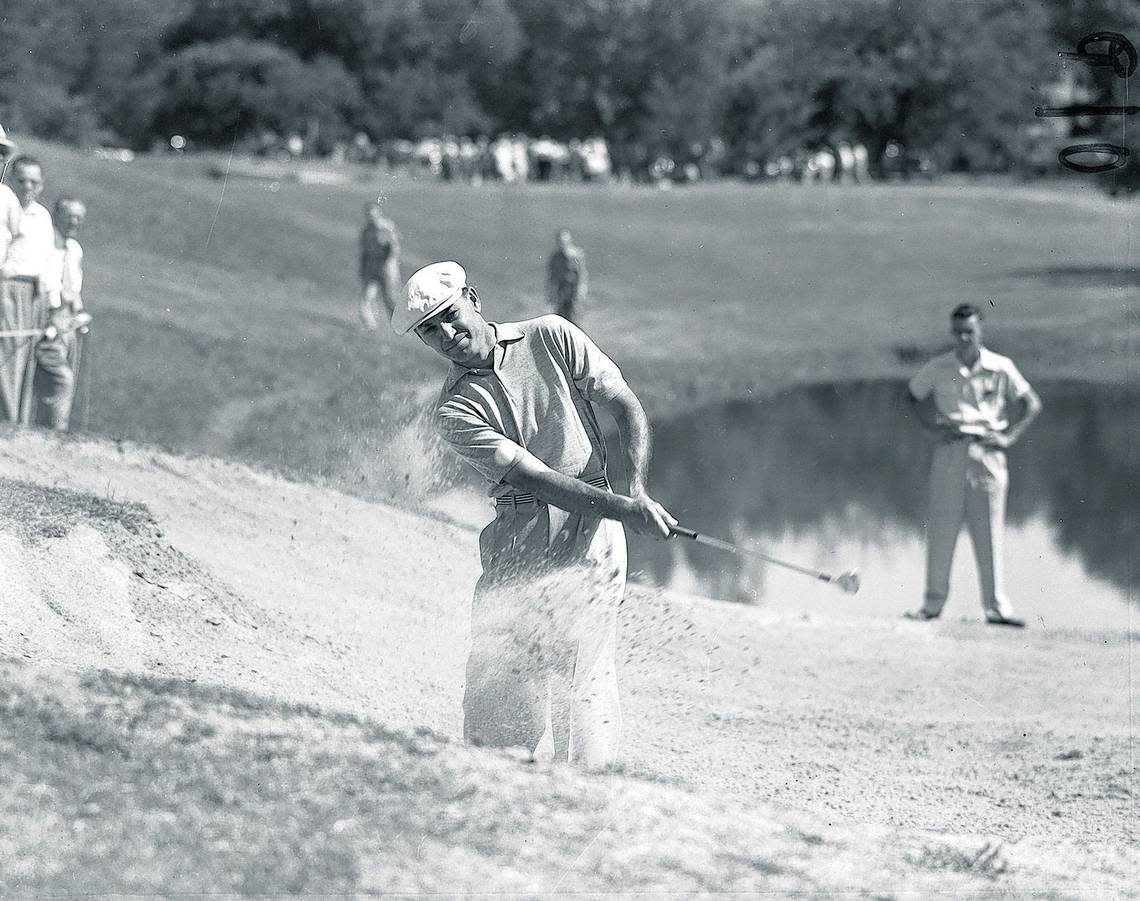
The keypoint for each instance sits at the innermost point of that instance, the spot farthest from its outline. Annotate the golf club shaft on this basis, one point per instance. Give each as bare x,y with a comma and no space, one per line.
733,549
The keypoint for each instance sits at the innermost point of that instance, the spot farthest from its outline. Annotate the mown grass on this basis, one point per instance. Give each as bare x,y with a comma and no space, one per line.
226,307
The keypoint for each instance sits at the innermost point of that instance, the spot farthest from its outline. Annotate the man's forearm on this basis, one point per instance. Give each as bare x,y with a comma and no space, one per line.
926,414
565,492
633,431
1031,408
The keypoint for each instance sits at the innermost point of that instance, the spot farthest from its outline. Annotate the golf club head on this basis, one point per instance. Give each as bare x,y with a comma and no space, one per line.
849,581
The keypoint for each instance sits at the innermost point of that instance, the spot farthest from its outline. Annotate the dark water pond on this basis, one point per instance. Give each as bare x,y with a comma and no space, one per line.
834,476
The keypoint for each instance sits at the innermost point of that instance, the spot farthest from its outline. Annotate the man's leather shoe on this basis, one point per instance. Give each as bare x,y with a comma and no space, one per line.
1016,621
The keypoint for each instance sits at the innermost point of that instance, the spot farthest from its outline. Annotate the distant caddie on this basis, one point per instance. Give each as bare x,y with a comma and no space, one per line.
976,404
519,404
379,266
566,278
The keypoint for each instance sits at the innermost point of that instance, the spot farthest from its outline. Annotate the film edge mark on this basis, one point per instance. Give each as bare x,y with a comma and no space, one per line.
1119,55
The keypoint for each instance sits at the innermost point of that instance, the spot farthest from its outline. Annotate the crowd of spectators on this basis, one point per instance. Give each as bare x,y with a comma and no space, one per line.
507,158
516,158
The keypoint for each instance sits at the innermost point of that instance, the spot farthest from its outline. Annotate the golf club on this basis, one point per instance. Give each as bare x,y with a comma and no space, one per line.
848,581
79,322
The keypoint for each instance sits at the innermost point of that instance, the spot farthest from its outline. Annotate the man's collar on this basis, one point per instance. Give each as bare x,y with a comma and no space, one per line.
986,360
505,333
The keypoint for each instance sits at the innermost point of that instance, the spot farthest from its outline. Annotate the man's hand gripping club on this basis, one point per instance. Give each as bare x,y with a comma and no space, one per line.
638,511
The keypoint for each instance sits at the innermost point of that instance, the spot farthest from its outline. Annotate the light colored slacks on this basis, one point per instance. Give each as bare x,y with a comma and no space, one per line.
544,634
968,484
21,307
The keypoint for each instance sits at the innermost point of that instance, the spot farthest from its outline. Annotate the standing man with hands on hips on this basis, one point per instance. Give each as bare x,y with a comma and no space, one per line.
519,405
976,404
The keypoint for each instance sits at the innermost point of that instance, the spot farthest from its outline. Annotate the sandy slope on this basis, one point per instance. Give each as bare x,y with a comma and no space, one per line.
1023,739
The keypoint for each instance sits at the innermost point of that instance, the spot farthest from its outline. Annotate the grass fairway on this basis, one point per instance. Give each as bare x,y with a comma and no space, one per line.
226,309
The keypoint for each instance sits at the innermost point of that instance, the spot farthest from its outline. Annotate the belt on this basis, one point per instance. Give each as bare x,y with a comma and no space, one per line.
515,500
27,279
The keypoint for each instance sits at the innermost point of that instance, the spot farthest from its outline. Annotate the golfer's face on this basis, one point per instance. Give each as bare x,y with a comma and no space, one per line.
454,332
967,334
28,182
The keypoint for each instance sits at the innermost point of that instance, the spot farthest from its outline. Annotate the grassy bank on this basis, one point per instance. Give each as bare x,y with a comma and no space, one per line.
226,307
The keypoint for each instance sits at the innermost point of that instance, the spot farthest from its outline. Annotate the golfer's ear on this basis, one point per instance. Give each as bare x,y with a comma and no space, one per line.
473,293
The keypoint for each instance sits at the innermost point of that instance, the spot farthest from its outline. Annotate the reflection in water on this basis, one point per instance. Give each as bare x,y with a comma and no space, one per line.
844,463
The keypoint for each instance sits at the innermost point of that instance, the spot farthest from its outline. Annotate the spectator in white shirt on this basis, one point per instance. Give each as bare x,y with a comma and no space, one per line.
9,205
23,304
57,355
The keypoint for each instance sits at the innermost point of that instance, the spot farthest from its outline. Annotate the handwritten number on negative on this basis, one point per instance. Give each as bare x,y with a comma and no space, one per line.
1120,55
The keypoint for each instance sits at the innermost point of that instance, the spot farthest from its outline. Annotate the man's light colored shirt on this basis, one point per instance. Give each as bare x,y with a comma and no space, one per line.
62,281
977,396
9,219
537,399
33,246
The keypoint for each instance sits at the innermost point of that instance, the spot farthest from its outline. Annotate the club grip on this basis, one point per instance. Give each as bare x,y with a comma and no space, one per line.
684,533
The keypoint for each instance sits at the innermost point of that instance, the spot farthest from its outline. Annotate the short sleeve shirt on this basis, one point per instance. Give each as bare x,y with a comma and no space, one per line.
33,247
971,396
64,275
537,399
9,219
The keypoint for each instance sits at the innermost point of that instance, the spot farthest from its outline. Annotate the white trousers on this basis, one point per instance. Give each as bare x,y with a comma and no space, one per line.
968,484
544,632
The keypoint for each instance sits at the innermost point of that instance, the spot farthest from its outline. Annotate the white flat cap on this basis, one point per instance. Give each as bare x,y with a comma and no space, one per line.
426,292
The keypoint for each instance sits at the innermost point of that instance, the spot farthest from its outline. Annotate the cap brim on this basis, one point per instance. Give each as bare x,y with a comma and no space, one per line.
426,316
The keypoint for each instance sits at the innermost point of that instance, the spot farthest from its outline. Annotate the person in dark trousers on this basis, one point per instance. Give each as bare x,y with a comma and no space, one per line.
566,279
379,266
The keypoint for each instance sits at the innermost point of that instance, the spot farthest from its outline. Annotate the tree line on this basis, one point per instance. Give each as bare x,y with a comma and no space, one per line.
957,78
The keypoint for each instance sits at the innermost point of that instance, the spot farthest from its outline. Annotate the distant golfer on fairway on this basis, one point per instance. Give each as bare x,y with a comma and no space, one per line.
519,405
379,266
976,404
566,278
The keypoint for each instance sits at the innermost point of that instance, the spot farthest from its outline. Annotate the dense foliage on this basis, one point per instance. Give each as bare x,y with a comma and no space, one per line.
651,76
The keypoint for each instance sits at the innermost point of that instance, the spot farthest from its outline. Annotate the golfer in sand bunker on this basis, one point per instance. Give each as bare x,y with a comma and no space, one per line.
519,404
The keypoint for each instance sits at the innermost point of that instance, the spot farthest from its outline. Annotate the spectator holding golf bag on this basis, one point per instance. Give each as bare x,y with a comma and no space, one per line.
58,352
22,300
